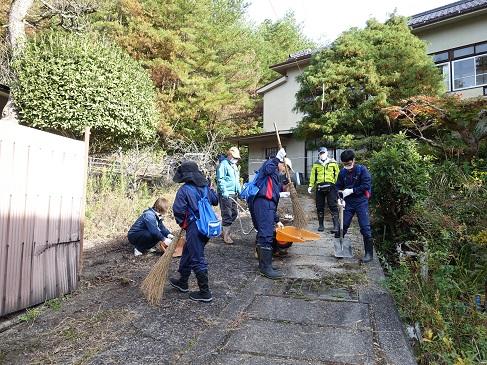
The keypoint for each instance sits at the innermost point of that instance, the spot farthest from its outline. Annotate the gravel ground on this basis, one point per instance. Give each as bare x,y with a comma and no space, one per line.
107,319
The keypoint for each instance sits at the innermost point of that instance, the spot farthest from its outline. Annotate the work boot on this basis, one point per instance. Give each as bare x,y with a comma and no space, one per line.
204,295
321,218
180,284
226,235
369,249
336,224
265,264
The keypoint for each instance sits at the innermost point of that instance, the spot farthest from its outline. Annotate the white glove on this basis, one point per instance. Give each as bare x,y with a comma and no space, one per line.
284,194
281,154
347,192
167,241
341,202
310,189
170,236
279,225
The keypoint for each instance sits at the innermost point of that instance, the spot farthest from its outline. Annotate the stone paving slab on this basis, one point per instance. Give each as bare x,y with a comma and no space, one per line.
303,342
247,359
317,312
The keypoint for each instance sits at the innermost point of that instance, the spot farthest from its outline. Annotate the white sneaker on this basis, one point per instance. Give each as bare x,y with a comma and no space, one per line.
137,252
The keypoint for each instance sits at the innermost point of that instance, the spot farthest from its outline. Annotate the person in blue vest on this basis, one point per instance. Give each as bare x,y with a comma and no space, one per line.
228,181
185,210
263,210
148,233
354,184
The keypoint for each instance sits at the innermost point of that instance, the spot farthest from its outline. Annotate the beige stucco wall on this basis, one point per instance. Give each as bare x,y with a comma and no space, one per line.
294,149
279,102
452,34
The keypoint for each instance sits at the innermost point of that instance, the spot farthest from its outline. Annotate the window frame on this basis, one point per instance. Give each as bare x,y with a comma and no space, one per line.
452,69
447,63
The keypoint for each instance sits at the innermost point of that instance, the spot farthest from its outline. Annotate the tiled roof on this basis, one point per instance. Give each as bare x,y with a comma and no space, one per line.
447,11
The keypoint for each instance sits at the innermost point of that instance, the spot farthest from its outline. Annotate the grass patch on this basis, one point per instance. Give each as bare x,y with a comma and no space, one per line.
31,314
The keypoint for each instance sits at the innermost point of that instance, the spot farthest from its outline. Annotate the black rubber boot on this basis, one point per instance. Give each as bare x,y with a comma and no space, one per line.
336,224
265,264
369,249
204,295
321,218
180,284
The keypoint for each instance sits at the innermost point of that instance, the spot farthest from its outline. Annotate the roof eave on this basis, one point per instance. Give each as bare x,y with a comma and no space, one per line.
447,19
292,63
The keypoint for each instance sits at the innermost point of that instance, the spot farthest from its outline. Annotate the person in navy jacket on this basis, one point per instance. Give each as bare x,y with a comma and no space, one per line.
185,210
354,183
149,230
263,209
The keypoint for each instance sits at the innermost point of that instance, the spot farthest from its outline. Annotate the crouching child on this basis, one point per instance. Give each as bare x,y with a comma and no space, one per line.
148,232
186,213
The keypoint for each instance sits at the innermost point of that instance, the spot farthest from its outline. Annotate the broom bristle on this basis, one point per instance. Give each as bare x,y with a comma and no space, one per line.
300,218
153,284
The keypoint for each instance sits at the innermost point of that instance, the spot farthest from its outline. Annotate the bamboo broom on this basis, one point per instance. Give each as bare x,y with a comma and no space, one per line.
153,284
300,219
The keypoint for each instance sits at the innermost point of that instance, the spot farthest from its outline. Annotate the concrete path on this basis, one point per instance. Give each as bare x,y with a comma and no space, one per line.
326,311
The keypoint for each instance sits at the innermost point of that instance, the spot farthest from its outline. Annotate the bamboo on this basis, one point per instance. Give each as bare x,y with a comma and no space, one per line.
300,218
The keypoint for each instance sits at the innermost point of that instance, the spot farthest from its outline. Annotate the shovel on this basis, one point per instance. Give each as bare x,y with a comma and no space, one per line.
343,246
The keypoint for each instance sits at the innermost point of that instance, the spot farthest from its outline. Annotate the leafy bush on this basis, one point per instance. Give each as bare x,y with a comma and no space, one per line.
67,82
401,179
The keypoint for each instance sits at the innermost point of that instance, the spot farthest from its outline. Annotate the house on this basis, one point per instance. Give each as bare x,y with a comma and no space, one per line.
4,93
456,35
279,97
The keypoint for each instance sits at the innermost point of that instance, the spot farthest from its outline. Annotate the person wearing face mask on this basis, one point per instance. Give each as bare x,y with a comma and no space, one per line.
354,183
148,232
263,210
323,177
228,182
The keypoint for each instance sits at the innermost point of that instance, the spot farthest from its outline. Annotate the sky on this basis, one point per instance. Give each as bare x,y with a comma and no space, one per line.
324,20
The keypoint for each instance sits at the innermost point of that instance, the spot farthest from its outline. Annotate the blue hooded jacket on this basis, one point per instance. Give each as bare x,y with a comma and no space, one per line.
149,222
187,200
269,182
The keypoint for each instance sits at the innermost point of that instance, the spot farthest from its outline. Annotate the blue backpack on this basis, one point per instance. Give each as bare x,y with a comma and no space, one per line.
250,189
208,223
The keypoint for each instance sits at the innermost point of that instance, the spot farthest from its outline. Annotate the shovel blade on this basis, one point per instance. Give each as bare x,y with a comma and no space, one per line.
343,248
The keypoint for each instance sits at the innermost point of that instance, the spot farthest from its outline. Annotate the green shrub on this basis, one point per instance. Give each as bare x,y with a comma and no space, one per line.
67,82
400,178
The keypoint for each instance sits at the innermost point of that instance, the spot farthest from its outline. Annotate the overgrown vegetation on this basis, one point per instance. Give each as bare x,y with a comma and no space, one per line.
430,223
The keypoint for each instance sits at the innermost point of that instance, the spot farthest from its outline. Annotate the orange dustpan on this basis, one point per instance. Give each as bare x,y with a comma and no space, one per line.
293,234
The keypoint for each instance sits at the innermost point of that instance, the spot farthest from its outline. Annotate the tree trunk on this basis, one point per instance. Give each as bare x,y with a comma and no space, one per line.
16,38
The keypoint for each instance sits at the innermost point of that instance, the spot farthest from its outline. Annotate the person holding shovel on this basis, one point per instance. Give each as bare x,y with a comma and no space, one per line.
185,210
354,184
148,233
228,181
263,210
323,177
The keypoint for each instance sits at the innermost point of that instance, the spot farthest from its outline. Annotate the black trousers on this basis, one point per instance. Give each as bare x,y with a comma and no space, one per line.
228,209
329,196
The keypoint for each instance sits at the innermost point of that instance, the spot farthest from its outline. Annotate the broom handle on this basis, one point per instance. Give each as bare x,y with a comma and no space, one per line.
280,146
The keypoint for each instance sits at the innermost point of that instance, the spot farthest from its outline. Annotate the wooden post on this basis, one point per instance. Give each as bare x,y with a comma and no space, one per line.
83,199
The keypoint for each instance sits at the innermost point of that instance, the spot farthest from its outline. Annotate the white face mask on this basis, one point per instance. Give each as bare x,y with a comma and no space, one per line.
349,167
323,156
234,160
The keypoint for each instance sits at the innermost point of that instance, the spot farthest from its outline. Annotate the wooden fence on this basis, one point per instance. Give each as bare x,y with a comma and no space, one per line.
42,192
